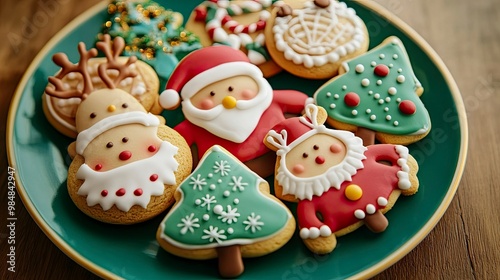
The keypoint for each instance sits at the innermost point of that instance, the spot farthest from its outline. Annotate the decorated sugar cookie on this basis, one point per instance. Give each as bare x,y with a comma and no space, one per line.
227,101
126,162
377,97
143,84
152,33
236,23
224,210
339,183
311,38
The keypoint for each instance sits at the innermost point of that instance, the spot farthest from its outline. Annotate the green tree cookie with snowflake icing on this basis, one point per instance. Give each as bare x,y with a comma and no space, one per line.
377,96
224,210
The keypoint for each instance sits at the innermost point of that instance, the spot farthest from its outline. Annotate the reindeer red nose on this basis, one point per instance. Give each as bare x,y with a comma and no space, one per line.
320,160
125,155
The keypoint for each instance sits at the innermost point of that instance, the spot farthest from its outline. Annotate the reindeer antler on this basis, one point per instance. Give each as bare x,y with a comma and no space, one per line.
112,61
67,67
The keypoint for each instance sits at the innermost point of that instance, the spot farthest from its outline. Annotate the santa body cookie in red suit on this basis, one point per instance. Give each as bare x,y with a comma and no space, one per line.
339,183
227,101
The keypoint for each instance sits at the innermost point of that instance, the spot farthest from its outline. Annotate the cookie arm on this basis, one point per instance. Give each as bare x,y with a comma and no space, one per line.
310,225
291,101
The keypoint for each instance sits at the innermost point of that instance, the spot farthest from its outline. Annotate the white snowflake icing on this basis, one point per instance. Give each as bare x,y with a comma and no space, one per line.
223,167
230,216
188,223
237,184
253,222
198,182
213,233
207,200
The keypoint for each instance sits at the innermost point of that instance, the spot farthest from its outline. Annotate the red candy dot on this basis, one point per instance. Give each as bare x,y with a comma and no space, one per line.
138,192
153,177
125,155
98,167
152,148
407,107
104,193
121,192
319,160
381,70
352,99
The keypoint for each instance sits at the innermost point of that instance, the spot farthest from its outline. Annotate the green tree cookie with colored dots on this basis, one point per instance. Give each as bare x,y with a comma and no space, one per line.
225,210
377,97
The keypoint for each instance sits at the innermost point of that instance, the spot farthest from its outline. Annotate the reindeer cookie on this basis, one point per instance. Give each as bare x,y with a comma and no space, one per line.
339,183
84,76
126,162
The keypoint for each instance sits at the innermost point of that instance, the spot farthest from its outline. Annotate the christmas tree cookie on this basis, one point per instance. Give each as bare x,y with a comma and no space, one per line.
339,183
377,97
236,23
224,210
151,32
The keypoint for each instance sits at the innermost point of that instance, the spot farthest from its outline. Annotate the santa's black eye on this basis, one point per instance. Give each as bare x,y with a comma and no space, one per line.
92,115
124,105
125,139
230,88
315,147
109,145
304,155
212,93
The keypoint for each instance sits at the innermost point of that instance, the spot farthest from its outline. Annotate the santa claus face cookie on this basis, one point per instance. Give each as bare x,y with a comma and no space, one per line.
339,183
127,163
227,101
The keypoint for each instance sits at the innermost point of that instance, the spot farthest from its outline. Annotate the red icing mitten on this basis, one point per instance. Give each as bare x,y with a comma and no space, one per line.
339,183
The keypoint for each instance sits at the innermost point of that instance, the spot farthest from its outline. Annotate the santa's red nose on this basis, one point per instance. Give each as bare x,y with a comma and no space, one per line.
125,155
320,160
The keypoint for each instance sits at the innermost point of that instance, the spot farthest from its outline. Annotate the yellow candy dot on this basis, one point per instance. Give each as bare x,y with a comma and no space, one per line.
353,192
229,102
111,108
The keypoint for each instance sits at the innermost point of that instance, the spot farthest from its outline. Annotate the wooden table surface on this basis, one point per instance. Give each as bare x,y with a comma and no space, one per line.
466,34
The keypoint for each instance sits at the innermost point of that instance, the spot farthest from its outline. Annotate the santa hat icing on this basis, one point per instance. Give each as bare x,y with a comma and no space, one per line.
203,67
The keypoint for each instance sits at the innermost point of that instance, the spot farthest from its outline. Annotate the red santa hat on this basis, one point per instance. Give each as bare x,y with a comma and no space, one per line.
203,67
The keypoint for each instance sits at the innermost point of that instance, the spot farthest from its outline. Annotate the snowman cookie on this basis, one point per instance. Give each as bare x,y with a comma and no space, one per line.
311,38
236,23
339,184
224,210
84,76
126,162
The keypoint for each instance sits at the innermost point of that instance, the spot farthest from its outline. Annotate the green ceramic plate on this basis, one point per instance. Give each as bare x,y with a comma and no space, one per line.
38,153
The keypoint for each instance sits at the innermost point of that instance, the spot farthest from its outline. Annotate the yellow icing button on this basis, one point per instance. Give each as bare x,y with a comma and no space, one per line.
111,108
353,192
229,102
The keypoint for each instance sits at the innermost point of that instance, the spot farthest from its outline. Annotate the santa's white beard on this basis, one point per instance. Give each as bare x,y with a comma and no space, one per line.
130,177
305,188
232,124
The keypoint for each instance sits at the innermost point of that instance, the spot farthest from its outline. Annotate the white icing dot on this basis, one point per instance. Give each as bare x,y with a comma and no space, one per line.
218,209
376,96
210,175
368,111
219,181
395,56
387,99
325,230
206,217
400,79
381,101
344,87
391,65
379,82
336,96
314,232
360,68
373,117
230,230
400,70
226,193
354,112
370,92
370,209
328,94
396,123
365,82
386,109
373,64
332,106
382,56
382,201
236,201
388,117
392,90
360,214
212,187
197,202
398,100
